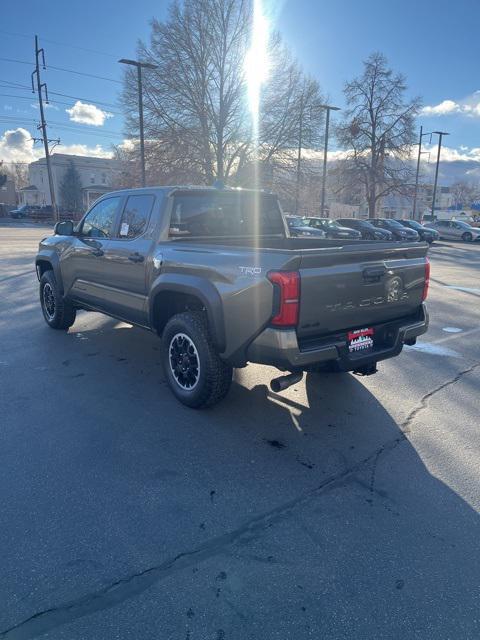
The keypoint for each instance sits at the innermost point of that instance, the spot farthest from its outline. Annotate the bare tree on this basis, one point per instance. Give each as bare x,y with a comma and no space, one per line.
464,193
378,131
197,122
18,172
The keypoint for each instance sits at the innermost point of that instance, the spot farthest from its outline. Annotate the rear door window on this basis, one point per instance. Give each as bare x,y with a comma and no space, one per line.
135,216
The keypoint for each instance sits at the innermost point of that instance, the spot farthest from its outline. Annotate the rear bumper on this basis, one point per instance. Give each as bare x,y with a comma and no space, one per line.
281,348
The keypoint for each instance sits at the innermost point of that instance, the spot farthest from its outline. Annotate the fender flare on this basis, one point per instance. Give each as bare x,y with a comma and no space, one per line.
54,262
200,288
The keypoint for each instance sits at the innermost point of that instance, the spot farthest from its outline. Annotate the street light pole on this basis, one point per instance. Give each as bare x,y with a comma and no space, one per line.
140,65
417,175
440,136
328,108
414,215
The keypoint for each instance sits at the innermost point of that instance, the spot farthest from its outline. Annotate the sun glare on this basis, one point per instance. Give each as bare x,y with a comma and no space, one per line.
256,60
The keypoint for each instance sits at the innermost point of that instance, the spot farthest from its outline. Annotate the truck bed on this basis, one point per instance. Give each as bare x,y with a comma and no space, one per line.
343,284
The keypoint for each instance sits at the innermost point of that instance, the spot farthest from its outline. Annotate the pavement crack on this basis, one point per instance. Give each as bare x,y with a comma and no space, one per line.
136,583
425,399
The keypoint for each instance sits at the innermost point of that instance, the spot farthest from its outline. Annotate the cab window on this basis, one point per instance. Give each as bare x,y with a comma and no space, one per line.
99,221
135,216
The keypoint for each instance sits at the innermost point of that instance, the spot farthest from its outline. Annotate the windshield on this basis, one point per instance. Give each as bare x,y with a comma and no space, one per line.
295,222
414,224
394,223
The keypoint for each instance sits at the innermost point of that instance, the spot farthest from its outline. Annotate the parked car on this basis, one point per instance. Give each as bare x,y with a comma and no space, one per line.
455,230
399,231
366,228
332,229
24,211
426,234
298,228
214,274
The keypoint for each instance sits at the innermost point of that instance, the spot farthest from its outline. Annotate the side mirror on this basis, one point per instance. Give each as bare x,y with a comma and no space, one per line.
64,228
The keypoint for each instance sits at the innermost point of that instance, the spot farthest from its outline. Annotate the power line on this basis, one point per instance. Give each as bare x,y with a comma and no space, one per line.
74,46
16,84
74,71
68,104
81,73
60,44
65,95
81,127
17,61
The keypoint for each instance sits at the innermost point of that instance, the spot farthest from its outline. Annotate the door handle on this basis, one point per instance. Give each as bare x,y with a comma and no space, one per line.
97,252
136,257
374,274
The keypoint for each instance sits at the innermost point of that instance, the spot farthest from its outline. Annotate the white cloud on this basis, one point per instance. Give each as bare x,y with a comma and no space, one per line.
85,113
82,150
16,145
442,109
450,154
469,106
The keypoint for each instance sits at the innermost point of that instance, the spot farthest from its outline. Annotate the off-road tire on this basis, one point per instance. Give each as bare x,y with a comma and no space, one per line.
62,314
214,377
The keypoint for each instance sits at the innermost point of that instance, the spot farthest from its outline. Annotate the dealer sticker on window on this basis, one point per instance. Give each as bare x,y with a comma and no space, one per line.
360,340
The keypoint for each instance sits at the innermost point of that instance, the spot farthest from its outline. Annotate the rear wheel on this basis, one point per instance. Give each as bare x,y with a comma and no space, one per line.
58,312
195,373
467,237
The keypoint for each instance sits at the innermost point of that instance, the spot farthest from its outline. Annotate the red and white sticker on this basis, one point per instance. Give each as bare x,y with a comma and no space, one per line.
360,340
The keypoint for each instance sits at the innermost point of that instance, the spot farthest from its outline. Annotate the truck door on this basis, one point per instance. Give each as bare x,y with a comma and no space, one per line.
127,259
83,263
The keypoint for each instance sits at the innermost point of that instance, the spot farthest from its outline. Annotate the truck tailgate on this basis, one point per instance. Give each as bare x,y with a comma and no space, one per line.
349,288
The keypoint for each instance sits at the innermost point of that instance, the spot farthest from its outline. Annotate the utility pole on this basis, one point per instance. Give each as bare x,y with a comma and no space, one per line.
43,124
140,65
422,135
299,154
328,108
440,136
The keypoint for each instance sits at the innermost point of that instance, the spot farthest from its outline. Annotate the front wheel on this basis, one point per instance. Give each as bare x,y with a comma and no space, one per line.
58,313
467,237
195,373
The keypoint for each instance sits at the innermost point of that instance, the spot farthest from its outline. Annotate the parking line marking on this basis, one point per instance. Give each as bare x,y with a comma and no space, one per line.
456,335
465,289
431,349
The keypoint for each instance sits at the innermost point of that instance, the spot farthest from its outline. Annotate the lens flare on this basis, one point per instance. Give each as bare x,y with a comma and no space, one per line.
256,61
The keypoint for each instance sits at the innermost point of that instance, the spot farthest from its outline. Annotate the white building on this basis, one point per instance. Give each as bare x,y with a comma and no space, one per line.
97,175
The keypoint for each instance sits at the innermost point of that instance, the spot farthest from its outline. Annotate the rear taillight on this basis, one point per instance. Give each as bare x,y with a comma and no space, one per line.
427,279
286,297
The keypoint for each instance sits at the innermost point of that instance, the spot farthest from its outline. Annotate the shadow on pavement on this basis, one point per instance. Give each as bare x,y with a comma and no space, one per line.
322,479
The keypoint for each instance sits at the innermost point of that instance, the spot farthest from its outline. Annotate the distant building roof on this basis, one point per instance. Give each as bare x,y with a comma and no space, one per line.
64,158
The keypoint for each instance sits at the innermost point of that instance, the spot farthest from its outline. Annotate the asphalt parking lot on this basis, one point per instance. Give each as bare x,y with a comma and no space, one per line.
342,508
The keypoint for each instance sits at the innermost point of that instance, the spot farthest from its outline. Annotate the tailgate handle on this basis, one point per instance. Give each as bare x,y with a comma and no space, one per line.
374,274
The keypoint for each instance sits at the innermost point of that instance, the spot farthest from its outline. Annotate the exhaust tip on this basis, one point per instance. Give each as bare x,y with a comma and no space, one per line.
275,385
283,382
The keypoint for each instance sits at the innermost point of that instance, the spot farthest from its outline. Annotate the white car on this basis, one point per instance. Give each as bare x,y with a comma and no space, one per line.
455,230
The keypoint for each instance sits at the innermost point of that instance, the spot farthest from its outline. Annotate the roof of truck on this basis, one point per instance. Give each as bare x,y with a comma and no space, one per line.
189,187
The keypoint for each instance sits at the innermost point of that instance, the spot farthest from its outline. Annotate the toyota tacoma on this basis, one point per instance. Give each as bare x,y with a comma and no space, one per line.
218,276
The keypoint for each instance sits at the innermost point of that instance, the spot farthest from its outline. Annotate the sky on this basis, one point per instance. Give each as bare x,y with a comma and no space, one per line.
434,43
